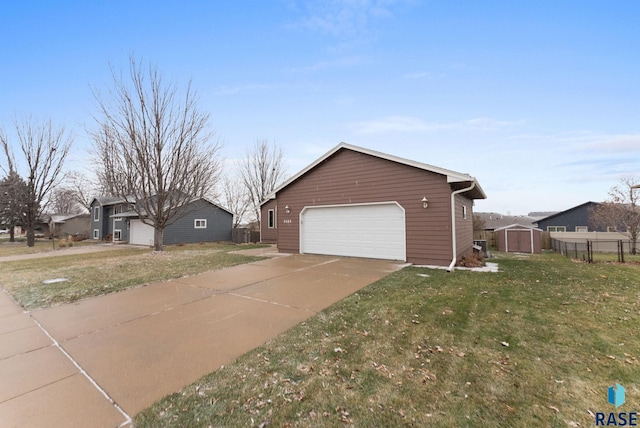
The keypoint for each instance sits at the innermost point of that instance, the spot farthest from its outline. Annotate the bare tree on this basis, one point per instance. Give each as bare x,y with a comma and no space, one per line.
153,146
235,199
621,210
44,149
479,224
83,189
261,171
64,201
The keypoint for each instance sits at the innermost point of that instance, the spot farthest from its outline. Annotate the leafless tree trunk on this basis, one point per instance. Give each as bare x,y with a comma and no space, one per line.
44,149
621,210
235,199
262,170
153,147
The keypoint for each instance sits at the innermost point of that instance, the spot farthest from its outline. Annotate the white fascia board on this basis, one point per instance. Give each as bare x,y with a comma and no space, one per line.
452,176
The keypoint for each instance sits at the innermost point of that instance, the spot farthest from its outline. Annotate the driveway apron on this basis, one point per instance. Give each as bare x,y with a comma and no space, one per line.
141,344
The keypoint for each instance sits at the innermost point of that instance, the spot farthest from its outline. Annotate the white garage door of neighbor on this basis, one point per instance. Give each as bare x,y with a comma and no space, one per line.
374,231
140,233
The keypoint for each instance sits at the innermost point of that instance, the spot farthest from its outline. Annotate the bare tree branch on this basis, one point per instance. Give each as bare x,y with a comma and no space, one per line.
621,210
44,149
235,199
154,147
261,171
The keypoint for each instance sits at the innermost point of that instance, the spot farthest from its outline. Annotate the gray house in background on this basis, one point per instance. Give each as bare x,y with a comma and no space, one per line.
576,219
202,221
104,222
63,225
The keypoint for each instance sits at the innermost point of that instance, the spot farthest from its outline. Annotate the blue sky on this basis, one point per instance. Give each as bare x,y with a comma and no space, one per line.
539,100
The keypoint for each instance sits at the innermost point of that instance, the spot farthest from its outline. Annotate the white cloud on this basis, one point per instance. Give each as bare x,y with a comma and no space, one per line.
629,143
234,89
412,124
423,75
344,62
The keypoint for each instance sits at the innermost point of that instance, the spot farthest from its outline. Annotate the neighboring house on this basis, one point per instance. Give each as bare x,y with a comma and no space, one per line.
493,221
203,221
106,221
576,219
358,202
63,225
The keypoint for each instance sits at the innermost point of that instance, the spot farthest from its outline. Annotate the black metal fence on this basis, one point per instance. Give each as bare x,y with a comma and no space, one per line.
596,250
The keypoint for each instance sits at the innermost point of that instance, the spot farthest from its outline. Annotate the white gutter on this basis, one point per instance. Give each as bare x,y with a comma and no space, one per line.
453,223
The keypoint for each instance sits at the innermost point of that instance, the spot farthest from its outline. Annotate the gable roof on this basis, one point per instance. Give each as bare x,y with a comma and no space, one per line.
452,176
522,226
495,221
61,218
108,200
577,207
133,214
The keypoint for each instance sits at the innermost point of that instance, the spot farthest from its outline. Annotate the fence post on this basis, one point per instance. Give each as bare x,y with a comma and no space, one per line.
621,252
589,251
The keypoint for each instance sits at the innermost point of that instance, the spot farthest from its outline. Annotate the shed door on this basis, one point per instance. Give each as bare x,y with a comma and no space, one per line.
140,233
374,231
519,241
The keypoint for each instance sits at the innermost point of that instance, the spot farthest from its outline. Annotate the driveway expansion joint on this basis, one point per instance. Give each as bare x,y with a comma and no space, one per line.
104,393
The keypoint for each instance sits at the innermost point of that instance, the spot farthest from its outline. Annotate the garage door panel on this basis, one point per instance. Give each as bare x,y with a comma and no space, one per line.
372,231
140,233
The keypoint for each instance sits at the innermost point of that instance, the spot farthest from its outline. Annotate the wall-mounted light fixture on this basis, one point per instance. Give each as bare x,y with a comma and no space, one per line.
287,209
425,202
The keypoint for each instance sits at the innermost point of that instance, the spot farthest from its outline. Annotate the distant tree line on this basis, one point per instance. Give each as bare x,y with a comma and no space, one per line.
152,147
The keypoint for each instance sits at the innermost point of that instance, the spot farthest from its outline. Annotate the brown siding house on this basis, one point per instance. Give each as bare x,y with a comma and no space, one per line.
358,202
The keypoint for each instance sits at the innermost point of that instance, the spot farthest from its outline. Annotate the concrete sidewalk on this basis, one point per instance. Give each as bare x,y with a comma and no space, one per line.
141,344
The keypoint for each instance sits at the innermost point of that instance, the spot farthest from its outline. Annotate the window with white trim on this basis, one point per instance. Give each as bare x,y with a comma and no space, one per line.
96,213
271,219
117,210
117,234
582,228
200,223
464,212
96,233
612,229
556,228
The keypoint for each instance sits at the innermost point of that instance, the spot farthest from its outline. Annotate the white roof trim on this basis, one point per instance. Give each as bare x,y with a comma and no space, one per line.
452,176
524,227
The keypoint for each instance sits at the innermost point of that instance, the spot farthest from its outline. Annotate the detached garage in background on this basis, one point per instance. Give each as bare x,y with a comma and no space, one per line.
517,238
358,202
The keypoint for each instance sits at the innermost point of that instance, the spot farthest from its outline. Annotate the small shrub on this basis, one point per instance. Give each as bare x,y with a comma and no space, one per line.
62,243
471,261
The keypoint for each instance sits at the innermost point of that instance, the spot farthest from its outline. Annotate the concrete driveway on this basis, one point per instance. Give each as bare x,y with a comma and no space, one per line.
100,361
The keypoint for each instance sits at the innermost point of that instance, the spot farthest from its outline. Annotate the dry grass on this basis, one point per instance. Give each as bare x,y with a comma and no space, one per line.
41,245
105,272
534,345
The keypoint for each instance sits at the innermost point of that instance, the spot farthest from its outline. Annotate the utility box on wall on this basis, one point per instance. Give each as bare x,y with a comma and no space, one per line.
517,238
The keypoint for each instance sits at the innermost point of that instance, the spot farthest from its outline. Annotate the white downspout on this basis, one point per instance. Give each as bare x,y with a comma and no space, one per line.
453,223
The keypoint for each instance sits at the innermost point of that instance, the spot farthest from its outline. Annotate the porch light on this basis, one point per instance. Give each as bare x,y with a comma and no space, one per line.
425,202
287,209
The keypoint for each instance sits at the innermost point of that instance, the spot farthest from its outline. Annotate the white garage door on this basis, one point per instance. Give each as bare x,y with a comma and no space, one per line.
140,233
363,230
